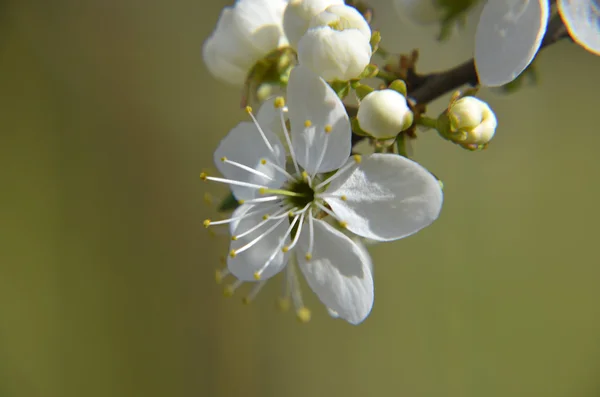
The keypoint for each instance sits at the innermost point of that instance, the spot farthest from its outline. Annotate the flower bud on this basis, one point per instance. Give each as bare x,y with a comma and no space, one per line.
471,122
336,46
383,114
245,33
299,13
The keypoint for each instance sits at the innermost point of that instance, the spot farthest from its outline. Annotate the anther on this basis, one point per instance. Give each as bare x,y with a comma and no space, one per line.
307,123
328,128
344,198
232,253
305,175
357,158
308,256
223,159
257,275
283,304
285,249
248,109
228,290
240,202
262,190
303,315
233,238
218,276
265,217
206,223
279,102
203,176
343,224
263,161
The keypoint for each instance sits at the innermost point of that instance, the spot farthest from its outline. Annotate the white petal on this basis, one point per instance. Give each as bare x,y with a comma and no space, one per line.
298,14
262,23
508,36
268,117
244,145
347,16
238,212
245,264
311,98
339,272
388,197
582,18
423,12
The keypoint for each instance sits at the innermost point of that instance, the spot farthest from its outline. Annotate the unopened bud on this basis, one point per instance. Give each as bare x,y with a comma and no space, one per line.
383,114
471,122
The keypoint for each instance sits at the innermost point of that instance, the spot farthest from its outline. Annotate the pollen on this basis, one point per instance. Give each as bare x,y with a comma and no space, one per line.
223,159
265,217
357,158
240,202
206,223
263,161
303,315
308,256
256,275
248,109
279,102
307,123
344,198
283,304
285,249
343,224
328,128
233,238
304,175
232,253
203,176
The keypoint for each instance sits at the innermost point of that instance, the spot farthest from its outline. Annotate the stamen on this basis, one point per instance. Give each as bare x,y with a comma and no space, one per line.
302,312
343,224
357,159
257,226
297,236
279,169
208,222
323,149
279,248
311,237
221,274
307,124
204,177
287,139
235,252
229,290
281,192
283,302
255,290
246,168
262,133
260,200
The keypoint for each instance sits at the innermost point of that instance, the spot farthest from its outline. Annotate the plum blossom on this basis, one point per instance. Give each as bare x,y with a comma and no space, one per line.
299,208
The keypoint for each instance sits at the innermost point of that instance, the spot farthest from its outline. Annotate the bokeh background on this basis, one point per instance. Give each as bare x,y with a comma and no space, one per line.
107,116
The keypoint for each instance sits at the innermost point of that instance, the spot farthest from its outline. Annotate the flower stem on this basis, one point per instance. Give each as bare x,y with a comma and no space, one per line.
427,122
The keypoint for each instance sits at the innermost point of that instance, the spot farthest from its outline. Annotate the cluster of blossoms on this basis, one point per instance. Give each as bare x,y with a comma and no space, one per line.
305,199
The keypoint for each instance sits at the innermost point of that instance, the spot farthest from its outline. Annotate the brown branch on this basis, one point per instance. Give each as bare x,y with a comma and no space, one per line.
426,88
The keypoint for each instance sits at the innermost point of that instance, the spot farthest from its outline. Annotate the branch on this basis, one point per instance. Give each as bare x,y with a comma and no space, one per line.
426,88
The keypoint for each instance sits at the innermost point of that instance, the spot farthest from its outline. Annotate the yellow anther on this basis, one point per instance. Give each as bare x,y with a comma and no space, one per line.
283,304
263,161
303,315
307,123
208,199
291,214
305,175
203,176
246,300
344,198
233,238
357,158
343,224
279,102
218,276
262,190
223,260
232,253
257,275
328,128
223,159
248,109
308,256
265,217
228,290
285,249
206,223
240,202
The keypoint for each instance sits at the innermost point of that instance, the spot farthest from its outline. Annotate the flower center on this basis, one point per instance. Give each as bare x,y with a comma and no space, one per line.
305,193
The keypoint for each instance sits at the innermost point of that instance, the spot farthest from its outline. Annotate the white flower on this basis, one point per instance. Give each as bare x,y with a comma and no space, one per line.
337,44
582,18
245,33
423,12
509,34
383,114
298,15
285,212
472,121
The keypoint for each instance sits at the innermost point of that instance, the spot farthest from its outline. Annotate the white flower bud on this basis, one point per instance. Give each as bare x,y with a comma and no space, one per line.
298,14
472,121
245,34
337,44
383,114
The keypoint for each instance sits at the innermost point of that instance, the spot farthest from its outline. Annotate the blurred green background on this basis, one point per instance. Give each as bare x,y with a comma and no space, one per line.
108,115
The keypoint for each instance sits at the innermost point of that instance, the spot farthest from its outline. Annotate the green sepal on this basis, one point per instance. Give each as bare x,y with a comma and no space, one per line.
229,203
369,72
356,128
399,86
341,88
375,40
362,90
401,145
